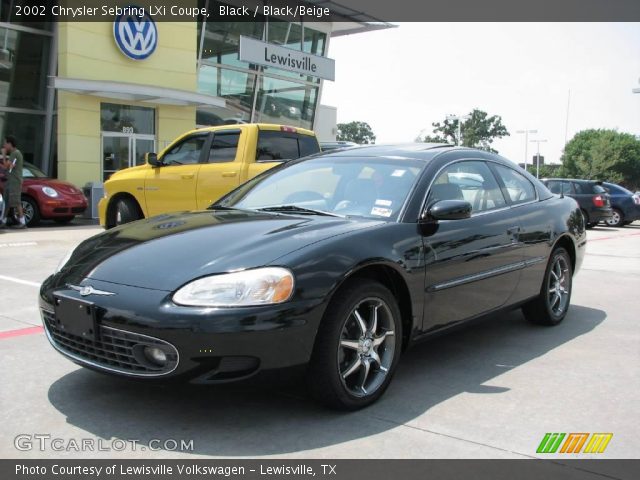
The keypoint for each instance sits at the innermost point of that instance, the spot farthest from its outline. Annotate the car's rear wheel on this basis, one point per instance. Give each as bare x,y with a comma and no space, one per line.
357,347
31,211
64,220
552,304
126,211
616,219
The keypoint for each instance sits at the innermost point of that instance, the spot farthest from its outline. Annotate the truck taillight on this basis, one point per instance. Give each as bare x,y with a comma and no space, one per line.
288,129
598,201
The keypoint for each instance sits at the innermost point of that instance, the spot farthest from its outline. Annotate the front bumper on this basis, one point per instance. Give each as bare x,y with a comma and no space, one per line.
208,345
64,206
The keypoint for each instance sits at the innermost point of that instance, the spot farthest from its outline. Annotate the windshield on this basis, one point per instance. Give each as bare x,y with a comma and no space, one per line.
31,171
367,187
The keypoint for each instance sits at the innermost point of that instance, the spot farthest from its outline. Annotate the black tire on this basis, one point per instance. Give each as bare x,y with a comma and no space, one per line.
31,211
617,220
337,373
550,307
126,211
64,220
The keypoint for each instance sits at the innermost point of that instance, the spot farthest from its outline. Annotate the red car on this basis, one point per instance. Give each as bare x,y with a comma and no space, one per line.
48,198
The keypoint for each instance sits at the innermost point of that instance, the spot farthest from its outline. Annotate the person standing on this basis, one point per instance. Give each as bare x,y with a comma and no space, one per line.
13,163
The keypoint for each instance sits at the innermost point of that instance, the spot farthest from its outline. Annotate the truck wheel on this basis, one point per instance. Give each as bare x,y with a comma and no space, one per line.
126,211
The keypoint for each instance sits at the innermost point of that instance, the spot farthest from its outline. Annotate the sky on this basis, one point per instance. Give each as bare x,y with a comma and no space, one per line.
401,80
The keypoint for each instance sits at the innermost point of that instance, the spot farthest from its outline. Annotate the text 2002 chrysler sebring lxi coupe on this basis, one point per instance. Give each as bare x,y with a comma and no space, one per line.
338,261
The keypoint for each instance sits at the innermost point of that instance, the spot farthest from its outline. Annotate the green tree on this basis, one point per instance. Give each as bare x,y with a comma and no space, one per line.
603,155
478,131
358,132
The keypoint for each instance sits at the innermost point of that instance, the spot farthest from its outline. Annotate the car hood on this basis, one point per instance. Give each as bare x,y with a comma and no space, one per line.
167,251
59,185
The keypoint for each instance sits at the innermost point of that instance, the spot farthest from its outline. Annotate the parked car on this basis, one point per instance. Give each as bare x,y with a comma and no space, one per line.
593,199
625,205
199,167
48,198
326,146
337,262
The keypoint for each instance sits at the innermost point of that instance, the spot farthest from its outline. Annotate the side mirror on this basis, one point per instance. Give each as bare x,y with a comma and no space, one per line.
447,210
152,159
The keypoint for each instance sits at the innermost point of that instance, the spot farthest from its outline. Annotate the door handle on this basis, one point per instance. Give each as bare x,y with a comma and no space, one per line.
187,176
229,174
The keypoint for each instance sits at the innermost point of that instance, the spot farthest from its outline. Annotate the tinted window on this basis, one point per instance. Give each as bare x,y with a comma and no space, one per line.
557,187
224,147
470,181
308,145
277,146
518,188
598,189
186,152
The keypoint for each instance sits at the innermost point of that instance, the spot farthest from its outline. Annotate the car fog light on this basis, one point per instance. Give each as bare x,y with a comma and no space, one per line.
155,355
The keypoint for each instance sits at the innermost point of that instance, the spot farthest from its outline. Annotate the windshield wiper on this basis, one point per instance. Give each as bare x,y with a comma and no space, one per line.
296,209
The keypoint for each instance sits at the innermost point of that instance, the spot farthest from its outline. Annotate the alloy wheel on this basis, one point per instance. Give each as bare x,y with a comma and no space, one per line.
28,211
367,345
615,219
559,285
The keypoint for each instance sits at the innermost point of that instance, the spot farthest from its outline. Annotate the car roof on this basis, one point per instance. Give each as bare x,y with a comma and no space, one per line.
418,151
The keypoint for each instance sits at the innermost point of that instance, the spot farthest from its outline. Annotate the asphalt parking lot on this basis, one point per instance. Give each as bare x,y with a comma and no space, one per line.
491,390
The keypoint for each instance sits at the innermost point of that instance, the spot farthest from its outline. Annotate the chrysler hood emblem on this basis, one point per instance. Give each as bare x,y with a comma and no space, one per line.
88,290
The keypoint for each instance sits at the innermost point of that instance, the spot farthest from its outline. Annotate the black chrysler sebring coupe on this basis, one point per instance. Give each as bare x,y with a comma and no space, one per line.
336,262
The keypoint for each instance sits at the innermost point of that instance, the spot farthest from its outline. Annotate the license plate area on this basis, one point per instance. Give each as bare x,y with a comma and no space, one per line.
76,317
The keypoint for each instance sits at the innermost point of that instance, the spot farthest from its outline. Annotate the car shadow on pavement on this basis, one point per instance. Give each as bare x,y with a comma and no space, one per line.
239,421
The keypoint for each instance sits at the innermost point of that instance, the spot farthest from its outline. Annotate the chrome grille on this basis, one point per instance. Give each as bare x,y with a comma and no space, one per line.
113,350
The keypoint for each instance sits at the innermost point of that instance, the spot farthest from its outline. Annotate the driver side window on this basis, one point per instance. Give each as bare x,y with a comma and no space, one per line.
186,152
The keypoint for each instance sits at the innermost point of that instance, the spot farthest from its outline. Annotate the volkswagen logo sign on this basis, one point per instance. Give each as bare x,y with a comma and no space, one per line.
136,36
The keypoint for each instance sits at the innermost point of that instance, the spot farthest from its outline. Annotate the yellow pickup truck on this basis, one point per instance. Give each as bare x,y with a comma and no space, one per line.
198,168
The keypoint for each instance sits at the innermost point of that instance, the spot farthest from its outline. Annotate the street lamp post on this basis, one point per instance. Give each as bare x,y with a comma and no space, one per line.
538,141
526,142
459,118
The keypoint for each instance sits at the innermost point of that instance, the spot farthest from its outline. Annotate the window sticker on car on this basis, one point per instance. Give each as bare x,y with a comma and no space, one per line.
383,212
383,203
398,173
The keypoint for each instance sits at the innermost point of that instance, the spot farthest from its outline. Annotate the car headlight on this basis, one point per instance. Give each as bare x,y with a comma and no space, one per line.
64,261
262,286
49,192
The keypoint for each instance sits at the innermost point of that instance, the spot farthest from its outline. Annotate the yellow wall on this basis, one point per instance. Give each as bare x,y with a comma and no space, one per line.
87,50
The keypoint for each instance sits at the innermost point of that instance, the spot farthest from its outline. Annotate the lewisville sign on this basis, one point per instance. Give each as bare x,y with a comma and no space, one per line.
270,55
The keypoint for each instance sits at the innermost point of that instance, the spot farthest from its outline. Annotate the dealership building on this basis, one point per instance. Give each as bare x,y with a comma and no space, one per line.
85,99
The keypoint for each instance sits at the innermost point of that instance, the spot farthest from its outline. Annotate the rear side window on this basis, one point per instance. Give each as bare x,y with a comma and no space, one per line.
308,145
518,188
275,146
224,147
558,187
598,189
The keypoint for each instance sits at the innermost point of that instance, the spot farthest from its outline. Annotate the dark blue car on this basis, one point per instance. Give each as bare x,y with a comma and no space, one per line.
625,205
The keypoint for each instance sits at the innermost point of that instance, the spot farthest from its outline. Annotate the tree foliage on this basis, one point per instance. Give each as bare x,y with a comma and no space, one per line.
479,131
358,132
603,155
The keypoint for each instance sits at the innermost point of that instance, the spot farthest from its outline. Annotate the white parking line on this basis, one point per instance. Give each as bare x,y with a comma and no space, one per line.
18,280
18,244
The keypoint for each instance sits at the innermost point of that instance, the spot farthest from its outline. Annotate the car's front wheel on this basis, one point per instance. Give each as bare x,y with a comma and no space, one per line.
126,211
552,304
357,347
31,211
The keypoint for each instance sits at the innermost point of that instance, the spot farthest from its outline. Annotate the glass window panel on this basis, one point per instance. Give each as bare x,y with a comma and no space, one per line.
221,42
24,62
519,189
308,145
127,119
277,146
284,102
28,130
224,147
186,152
237,88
